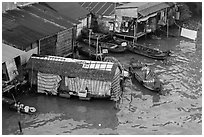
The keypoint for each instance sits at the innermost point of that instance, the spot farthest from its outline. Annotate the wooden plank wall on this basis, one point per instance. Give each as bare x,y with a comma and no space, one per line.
48,45
64,42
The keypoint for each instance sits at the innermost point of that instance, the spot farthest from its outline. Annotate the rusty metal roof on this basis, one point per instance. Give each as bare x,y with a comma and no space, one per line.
68,9
100,8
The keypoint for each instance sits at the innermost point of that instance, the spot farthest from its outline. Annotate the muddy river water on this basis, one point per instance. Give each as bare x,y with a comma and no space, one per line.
140,112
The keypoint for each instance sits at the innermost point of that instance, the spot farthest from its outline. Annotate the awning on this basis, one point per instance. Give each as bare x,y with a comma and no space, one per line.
146,18
9,52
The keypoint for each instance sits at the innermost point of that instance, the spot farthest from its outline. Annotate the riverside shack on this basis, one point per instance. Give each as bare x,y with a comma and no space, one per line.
11,63
37,28
83,78
136,19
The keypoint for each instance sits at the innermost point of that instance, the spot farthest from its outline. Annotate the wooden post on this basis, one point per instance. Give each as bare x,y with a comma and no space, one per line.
97,48
89,43
167,25
114,20
135,30
39,47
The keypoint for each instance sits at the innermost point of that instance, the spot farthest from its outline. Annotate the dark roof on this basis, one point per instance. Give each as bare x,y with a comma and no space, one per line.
100,8
33,22
49,14
21,27
20,36
68,9
70,67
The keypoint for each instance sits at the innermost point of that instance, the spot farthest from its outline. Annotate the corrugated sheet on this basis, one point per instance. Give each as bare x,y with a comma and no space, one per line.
9,52
100,8
70,68
69,9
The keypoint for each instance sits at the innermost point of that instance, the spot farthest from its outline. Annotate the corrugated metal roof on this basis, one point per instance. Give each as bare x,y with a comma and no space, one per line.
152,7
73,67
46,8
20,36
9,52
69,9
21,28
100,8
146,8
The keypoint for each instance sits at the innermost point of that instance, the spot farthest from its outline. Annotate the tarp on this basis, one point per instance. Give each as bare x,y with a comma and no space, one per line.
146,18
187,33
9,52
48,83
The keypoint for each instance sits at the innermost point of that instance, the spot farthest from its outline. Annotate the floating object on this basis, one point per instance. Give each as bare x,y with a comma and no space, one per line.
32,109
187,33
26,108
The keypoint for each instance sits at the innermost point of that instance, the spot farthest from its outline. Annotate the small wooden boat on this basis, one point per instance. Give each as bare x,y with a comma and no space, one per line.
111,47
149,52
91,53
150,80
17,106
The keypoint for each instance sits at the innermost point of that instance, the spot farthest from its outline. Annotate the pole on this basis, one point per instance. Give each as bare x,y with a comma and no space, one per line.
167,29
89,43
20,128
167,25
97,48
136,29
114,20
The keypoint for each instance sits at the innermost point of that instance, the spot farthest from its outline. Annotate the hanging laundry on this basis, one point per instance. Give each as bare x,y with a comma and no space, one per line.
187,33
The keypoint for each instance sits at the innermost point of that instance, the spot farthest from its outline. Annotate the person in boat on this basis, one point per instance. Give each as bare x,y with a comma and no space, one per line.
146,69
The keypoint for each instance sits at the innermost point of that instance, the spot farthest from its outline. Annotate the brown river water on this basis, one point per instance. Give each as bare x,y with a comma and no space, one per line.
140,111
